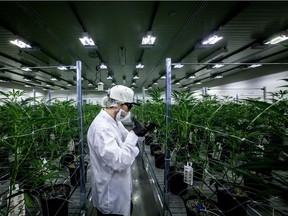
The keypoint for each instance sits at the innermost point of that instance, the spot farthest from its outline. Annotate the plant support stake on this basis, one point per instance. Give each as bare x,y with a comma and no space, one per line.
82,162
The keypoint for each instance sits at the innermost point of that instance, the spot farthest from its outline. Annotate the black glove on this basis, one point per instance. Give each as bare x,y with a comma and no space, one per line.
139,130
150,126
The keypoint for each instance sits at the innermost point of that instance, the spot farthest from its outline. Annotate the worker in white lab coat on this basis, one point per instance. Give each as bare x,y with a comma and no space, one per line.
112,151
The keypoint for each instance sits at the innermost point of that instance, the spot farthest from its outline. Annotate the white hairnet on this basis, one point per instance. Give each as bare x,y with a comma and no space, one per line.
108,102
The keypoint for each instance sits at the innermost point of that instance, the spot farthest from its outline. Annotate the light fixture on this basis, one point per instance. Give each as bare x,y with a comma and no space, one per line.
178,66
133,84
28,86
113,84
217,76
254,65
211,40
54,79
178,83
139,65
148,40
218,65
135,77
155,83
109,77
69,84
100,86
28,79
20,43
102,66
60,67
277,39
90,84
86,40
163,77
25,68
198,83
192,77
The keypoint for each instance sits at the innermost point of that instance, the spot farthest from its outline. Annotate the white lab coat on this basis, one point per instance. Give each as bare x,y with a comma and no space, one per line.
112,151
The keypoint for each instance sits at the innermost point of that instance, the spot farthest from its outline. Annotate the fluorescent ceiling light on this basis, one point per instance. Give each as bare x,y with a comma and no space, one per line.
139,66
218,76
192,77
212,40
113,84
163,77
27,79
254,65
21,44
62,67
155,83
178,66
69,84
218,66
198,83
54,79
148,39
135,77
177,83
25,69
109,77
277,39
103,66
86,40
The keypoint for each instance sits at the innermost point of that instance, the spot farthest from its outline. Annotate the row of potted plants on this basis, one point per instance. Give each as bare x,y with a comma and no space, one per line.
35,136
238,147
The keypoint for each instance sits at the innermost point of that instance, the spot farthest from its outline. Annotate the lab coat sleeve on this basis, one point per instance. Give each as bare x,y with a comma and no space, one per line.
117,156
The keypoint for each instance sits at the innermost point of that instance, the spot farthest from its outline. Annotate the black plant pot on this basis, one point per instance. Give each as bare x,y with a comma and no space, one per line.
55,204
176,182
74,171
67,160
154,148
229,202
159,160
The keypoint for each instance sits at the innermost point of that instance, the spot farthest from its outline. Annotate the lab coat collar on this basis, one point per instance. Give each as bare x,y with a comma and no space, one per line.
108,117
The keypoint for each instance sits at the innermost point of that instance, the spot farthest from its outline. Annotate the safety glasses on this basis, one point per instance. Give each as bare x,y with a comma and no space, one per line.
129,105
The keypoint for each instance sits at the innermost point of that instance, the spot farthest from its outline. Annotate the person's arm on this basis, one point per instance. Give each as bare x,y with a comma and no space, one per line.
117,157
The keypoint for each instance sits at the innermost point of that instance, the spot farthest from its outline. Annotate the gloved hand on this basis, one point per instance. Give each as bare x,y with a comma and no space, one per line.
139,130
150,126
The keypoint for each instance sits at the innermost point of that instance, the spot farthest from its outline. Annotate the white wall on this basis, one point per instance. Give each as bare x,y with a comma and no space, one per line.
250,87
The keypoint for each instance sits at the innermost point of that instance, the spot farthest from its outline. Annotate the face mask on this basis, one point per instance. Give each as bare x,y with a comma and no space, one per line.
122,115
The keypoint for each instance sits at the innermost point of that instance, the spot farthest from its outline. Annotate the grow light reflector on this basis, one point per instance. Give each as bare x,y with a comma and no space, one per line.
211,40
21,43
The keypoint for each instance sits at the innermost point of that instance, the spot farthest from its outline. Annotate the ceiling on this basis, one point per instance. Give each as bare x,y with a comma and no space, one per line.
53,29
